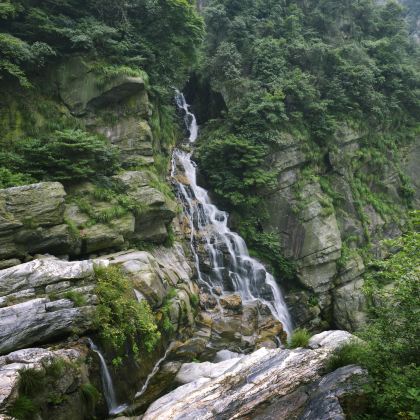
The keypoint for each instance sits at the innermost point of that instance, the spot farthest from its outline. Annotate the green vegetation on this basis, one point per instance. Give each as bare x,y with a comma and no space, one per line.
309,71
76,297
391,350
126,34
23,409
300,338
90,395
123,323
65,156
31,380
11,179
165,311
348,354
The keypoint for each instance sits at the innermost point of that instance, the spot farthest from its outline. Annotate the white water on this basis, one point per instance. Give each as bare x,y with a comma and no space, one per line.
189,118
231,267
153,372
107,384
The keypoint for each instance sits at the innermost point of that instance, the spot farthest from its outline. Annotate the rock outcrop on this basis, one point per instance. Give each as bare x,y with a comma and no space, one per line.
36,305
43,218
322,223
32,221
60,383
48,298
284,383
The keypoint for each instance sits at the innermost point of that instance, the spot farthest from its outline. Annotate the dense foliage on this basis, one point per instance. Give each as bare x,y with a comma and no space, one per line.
66,156
158,36
391,350
304,69
125,325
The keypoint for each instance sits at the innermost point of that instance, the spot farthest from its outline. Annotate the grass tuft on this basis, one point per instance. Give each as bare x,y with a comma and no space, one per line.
300,338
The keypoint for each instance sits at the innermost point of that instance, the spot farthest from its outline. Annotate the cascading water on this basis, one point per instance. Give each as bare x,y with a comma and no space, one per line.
231,269
108,387
153,372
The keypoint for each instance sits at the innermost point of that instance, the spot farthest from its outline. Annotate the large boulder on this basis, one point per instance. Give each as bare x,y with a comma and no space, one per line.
157,210
32,220
33,303
258,382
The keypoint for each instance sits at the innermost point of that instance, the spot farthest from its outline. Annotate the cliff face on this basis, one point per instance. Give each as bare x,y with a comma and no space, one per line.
313,173
327,225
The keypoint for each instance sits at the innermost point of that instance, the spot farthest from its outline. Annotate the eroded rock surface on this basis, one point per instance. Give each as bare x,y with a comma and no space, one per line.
258,381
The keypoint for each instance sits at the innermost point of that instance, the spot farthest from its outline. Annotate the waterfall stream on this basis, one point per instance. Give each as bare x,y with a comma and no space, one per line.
153,372
107,384
221,256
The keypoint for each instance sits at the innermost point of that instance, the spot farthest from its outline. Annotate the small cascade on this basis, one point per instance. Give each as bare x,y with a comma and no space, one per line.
107,384
231,267
189,118
153,372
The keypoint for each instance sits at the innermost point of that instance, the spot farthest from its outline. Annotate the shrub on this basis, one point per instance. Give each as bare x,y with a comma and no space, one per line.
120,319
23,409
68,156
195,300
12,179
300,338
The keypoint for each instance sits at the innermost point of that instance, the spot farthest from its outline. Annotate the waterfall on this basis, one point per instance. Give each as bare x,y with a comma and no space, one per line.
189,118
107,384
231,267
153,372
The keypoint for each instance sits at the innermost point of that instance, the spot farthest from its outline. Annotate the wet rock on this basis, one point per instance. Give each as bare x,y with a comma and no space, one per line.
232,302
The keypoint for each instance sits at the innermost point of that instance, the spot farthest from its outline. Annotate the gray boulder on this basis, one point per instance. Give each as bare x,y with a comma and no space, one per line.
252,384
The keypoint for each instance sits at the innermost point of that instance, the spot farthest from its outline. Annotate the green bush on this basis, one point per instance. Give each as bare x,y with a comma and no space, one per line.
120,319
68,156
56,368
235,168
300,338
11,179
